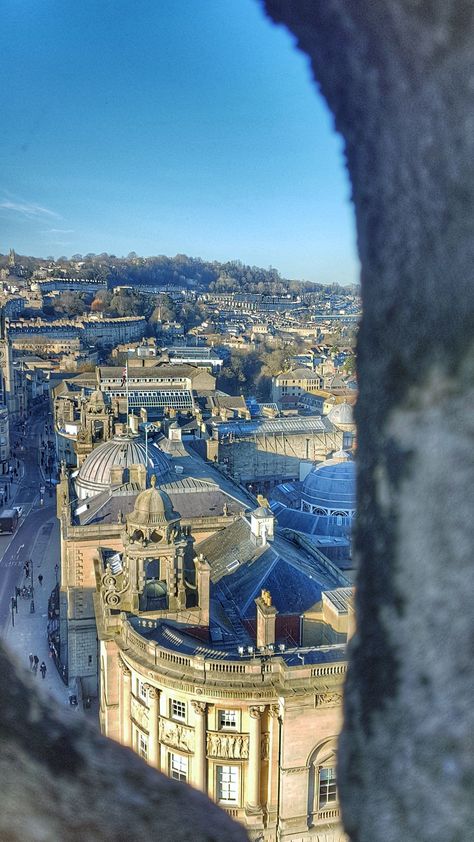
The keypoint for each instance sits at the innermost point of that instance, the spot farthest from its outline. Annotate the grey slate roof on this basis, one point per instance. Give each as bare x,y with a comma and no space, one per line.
294,578
231,544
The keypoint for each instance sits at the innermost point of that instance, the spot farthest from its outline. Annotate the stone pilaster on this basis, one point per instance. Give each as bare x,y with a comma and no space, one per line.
154,711
125,704
273,771
253,804
200,766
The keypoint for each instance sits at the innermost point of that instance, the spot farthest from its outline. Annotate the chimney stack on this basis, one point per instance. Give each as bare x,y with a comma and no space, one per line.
266,617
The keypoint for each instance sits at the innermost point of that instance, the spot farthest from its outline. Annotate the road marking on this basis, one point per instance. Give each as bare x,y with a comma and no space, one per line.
20,549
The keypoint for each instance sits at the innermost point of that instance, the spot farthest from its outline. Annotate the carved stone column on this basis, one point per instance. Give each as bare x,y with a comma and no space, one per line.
200,766
253,778
153,720
125,704
273,771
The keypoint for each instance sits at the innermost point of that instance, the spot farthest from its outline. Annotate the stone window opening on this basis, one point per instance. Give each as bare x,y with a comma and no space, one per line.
228,720
327,790
321,780
178,710
141,690
142,745
227,784
178,767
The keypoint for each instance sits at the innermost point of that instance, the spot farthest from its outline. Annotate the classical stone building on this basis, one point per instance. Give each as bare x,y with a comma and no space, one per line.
92,503
204,674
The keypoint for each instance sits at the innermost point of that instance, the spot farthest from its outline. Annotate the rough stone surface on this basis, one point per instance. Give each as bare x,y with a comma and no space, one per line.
399,78
63,782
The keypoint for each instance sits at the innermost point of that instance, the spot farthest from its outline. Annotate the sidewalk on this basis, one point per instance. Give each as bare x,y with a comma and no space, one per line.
30,631
13,487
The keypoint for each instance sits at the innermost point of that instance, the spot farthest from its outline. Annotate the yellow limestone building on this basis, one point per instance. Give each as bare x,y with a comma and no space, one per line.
202,671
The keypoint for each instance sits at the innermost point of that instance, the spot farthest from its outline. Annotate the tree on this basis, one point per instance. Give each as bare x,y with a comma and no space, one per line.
349,365
70,303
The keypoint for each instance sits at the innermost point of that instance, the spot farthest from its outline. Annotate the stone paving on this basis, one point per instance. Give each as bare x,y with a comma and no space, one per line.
29,634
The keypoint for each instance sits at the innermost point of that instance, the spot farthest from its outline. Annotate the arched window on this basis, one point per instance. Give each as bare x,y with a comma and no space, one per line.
322,783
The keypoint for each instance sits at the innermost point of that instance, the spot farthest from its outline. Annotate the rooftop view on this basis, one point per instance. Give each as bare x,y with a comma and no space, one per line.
234,544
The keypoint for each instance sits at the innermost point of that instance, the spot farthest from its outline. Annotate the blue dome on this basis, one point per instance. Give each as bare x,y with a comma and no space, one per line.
330,489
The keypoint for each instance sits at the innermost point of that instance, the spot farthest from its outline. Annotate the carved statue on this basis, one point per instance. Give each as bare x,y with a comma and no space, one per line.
228,746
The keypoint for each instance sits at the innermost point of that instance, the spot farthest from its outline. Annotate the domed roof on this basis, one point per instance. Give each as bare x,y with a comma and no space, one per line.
155,589
331,486
152,507
341,414
122,451
96,396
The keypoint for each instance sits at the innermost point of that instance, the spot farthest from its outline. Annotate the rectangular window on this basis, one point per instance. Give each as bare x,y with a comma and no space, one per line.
327,787
228,784
228,719
178,767
141,689
142,746
178,710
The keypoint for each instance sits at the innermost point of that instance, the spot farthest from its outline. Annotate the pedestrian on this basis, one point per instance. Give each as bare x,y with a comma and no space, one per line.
36,662
43,670
40,579
31,660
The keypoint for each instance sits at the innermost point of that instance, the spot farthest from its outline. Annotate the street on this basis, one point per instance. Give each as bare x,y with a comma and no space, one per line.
16,549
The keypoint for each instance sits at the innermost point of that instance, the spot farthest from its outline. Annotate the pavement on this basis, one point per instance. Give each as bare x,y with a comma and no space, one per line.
37,538
29,632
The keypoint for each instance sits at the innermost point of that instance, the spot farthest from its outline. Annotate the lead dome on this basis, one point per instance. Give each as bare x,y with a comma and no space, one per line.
152,507
122,451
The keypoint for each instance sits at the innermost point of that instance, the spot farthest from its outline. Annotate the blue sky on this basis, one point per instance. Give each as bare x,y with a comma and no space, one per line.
167,126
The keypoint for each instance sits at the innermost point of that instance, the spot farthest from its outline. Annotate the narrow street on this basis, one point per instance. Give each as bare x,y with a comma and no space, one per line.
14,550
23,629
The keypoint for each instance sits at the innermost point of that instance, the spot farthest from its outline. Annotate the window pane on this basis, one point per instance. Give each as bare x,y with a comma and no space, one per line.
327,786
228,784
178,767
227,719
178,709
143,746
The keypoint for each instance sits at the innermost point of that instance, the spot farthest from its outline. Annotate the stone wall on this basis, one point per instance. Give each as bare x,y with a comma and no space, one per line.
399,78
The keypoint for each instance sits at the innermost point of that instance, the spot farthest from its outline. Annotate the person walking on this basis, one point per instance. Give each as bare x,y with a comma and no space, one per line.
43,670
35,664
40,578
31,660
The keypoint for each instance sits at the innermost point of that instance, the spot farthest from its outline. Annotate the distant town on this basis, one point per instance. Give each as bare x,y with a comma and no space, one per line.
177,492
